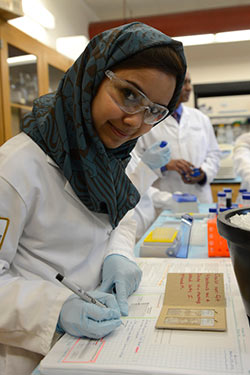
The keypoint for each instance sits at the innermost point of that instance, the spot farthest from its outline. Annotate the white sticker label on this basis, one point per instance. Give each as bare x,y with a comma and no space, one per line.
4,223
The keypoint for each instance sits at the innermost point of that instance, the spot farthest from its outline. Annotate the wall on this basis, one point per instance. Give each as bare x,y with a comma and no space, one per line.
224,62
72,18
219,62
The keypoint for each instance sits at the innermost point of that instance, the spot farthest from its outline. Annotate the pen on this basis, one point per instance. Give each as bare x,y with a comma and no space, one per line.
78,291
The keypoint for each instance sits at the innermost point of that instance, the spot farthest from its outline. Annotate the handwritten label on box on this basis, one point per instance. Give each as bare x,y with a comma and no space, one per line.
194,301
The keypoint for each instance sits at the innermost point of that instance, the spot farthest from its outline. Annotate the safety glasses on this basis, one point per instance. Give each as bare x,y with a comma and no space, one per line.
131,100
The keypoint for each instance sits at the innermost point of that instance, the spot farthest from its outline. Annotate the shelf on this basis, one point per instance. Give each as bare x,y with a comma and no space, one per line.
230,116
21,106
17,45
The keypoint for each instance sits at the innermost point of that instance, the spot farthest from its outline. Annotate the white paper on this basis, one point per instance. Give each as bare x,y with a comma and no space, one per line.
139,348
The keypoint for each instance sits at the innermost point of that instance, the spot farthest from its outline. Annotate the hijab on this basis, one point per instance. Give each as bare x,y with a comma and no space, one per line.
61,122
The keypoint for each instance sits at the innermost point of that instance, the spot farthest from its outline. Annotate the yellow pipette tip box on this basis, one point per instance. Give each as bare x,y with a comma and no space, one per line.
162,235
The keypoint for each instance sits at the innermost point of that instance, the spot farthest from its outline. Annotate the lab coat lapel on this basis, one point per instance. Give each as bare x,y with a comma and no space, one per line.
67,186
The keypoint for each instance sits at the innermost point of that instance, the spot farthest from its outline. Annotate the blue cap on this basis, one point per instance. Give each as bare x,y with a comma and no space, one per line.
222,209
227,190
195,172
163,144
221,194
212,209
246,196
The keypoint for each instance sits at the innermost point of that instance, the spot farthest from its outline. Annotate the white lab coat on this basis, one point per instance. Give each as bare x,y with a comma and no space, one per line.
241,159
49,231
151,198
193,139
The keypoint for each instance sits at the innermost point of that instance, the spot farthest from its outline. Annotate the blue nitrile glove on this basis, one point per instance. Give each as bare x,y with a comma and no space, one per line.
122,277
80,318
157,155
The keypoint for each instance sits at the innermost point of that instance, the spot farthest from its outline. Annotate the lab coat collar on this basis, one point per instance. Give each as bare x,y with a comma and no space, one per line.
51,161
67,186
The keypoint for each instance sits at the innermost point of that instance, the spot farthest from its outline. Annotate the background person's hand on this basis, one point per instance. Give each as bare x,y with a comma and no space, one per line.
180,166
157,155
79,318
189,179
122,277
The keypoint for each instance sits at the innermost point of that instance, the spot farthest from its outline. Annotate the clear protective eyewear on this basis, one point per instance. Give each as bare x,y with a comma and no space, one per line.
131,100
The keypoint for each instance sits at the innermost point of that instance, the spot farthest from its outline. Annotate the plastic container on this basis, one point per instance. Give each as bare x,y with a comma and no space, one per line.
238,240
221,199
229,135
228,192
246,199
184,203
221,134
237,130
240,194
216,244
212,212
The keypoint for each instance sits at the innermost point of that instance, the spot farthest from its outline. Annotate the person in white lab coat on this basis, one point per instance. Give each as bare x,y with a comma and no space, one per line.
66,201
193,145
241,159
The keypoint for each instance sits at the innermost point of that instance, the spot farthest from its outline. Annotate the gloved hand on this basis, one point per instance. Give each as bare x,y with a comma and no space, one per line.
157,155
80,318
122,277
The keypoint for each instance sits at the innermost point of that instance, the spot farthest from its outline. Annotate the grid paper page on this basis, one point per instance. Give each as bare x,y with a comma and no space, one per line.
137,347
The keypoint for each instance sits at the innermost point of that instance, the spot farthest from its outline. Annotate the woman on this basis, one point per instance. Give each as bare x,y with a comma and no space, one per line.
65,198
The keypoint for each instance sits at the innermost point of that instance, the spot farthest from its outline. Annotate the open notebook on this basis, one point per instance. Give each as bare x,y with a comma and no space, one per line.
139,348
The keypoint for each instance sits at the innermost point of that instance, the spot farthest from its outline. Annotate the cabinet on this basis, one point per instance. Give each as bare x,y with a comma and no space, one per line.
220,185
28,69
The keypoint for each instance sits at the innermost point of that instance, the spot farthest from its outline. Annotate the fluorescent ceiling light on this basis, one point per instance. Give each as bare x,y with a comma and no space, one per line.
35,10
232,36
72,46
192,40
19,60
229,36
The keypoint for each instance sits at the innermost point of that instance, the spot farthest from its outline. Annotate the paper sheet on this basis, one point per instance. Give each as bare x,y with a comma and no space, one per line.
139,348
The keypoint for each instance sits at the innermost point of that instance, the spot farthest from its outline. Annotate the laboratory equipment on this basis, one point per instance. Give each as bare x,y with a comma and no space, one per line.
217,245
221,199
184,203
246,199
226,169
240,195
228,192
170,240
238,240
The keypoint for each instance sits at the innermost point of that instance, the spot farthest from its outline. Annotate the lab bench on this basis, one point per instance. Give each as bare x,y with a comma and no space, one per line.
195,251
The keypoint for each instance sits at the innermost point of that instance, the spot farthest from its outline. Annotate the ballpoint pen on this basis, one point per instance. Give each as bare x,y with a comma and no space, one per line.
78,291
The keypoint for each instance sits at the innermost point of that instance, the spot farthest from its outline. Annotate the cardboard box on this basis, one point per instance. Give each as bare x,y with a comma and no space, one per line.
194,301
11,9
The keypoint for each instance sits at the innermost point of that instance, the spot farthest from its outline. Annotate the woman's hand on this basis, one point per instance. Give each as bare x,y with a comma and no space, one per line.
79,318
122,277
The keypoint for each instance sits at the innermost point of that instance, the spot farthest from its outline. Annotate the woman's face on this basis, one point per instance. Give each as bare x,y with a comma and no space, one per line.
113,125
